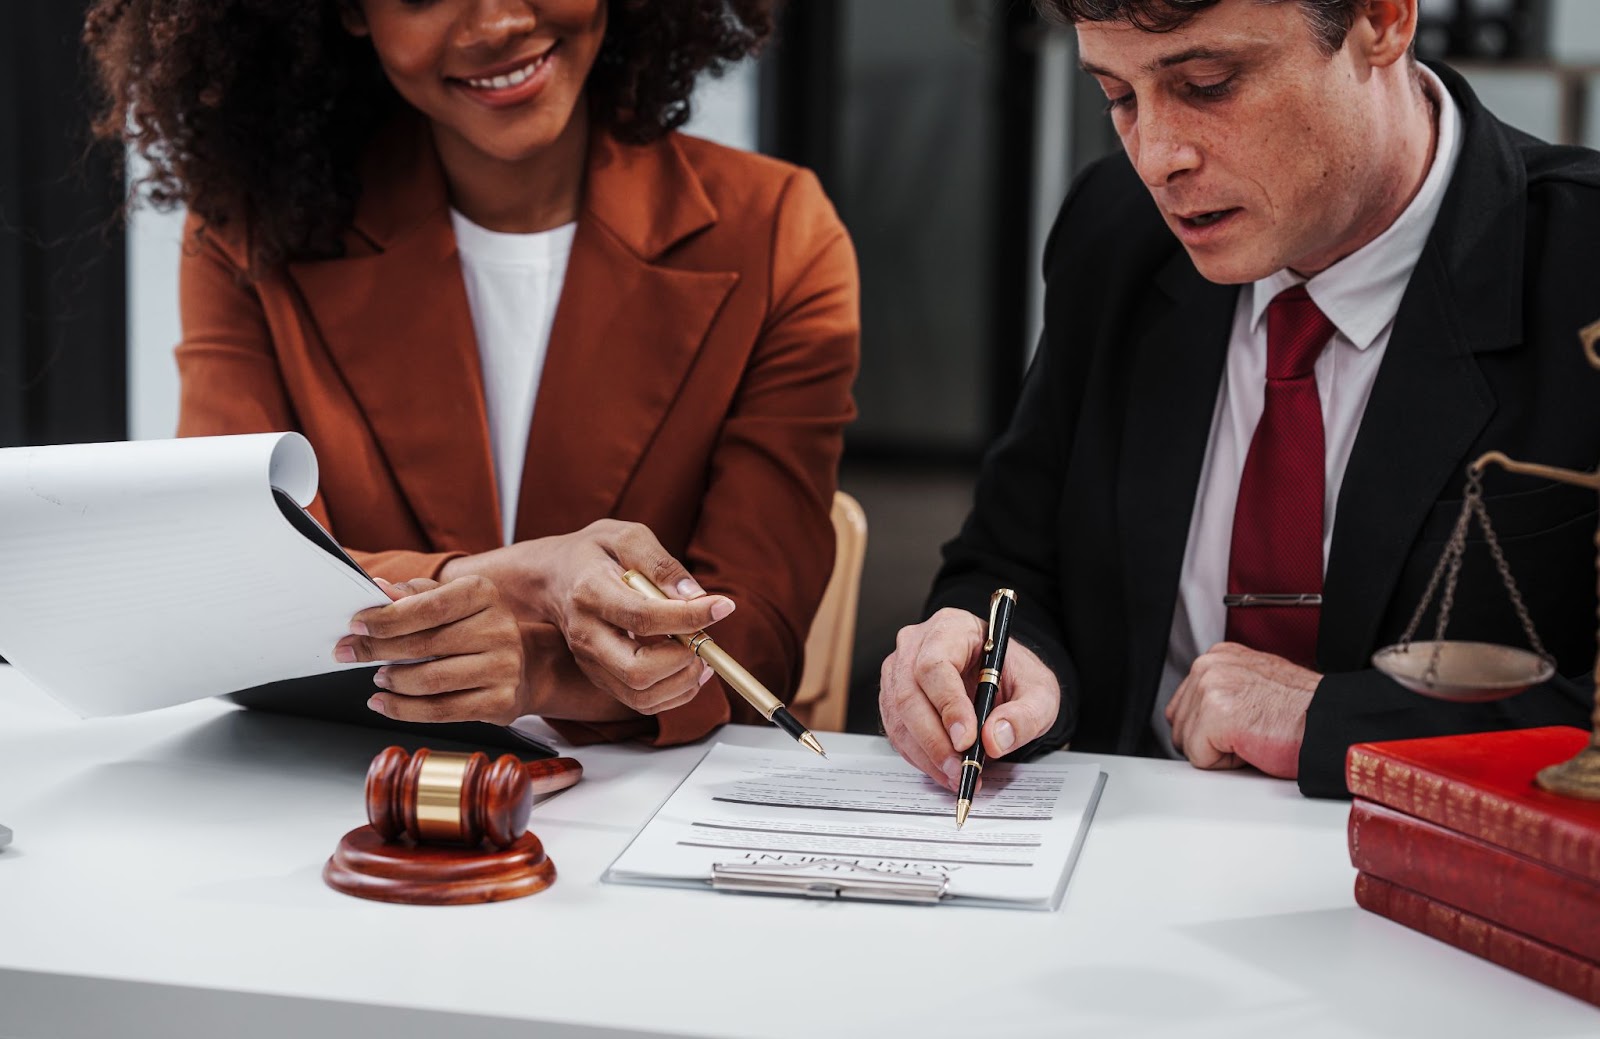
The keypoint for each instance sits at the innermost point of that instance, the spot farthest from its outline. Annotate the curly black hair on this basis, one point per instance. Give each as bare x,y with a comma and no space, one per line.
260,109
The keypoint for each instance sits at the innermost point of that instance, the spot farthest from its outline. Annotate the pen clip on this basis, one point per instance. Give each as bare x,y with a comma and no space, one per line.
994,611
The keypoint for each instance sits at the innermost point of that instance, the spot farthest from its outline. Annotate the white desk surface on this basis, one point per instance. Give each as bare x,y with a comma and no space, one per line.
165,880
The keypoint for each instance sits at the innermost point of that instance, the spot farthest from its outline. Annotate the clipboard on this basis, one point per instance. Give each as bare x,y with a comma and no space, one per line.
866,828
196,550
341,696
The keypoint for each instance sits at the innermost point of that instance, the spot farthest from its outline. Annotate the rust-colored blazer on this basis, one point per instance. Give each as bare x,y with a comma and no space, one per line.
697,381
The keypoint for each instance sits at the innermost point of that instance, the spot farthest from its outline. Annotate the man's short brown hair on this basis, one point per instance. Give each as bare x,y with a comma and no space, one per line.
1330,20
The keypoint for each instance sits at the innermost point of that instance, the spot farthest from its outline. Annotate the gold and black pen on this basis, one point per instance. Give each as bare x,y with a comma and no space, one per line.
1001,604
732,672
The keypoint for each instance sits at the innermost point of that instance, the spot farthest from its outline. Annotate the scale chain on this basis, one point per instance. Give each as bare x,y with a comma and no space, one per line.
1509,581
1449,568
1448,560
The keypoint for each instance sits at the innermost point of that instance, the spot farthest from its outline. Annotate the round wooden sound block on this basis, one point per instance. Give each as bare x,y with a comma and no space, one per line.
367,866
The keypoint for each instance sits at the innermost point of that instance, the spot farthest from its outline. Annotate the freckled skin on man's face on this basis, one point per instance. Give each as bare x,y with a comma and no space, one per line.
1248,134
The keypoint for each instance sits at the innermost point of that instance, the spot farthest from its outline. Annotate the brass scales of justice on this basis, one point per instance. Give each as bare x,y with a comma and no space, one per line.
1471,672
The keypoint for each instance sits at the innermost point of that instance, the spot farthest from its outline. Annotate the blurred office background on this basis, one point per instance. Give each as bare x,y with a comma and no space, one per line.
946,132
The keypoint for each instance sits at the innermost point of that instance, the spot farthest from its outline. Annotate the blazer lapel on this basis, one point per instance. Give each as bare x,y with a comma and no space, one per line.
394,316
626,334
1430,401
1177,369
1427,407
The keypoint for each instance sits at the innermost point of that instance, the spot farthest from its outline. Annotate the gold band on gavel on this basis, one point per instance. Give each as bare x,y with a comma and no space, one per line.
439,784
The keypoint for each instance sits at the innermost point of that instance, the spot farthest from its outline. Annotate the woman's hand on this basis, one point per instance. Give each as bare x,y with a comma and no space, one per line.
574,581
466,643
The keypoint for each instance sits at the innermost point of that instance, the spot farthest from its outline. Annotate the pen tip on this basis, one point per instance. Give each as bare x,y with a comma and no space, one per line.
962,807
812,742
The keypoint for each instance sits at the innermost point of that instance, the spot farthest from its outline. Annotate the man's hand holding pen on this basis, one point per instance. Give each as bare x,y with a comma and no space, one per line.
926,687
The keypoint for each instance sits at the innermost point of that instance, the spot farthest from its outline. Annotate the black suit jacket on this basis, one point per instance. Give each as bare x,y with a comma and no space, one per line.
1084,504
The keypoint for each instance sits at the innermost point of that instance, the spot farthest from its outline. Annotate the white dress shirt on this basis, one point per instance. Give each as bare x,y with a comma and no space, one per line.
513,285
1361,295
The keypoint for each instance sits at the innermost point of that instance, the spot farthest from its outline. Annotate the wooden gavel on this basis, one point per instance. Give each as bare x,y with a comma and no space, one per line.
433,797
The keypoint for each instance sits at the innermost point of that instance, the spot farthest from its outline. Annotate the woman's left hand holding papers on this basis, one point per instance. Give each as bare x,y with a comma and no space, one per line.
466,644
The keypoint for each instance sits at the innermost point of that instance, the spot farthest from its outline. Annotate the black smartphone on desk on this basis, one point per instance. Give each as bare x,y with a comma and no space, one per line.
341,696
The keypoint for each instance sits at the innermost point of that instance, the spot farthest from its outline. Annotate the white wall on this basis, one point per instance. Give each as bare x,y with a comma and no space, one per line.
1530,99
1575,31
726,110
153,243
1058,76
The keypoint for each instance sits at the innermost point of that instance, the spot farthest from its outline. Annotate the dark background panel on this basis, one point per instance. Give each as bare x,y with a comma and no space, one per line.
63,340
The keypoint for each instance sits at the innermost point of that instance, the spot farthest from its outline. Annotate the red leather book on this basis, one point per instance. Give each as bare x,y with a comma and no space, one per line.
1481,785
1539,901
1543,963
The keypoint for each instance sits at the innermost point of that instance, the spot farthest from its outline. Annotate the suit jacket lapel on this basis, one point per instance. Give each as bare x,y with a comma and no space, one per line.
1427,407
626,333
1430,401
1177,368
394,316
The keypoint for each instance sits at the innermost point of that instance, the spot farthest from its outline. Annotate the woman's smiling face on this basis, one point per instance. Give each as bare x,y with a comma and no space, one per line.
502,77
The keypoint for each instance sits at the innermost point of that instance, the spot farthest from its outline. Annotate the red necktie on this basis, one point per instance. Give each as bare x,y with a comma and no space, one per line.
1277,522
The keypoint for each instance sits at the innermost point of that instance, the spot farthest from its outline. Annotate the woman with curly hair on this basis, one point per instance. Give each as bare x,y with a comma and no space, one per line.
459,245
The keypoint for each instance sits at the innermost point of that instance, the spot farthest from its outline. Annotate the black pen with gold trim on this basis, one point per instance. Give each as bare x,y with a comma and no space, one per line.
1001,605
732,672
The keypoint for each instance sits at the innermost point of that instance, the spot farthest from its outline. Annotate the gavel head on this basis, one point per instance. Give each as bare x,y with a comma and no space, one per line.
434,797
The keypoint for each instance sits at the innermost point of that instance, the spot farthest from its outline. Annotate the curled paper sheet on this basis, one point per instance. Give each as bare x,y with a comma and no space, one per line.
149,573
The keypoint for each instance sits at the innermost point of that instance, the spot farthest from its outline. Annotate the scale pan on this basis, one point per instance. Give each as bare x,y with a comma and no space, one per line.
1469,672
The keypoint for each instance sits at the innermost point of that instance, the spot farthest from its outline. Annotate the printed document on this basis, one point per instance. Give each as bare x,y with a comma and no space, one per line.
866,826
149,573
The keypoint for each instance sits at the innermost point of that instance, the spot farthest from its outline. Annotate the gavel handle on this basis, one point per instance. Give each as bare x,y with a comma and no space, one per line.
548,775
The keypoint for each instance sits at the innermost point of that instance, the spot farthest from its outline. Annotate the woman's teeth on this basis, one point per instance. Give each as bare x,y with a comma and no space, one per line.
510,79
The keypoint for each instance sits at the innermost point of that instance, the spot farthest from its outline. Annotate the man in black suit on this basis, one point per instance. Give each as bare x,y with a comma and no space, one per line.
1320,282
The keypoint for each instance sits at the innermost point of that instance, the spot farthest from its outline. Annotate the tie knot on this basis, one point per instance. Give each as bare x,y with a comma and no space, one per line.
1297,330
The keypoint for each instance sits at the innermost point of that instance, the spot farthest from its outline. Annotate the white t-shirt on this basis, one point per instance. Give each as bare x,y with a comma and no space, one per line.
513,285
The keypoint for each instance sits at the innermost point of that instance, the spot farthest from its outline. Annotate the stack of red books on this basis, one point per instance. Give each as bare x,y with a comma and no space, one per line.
1453,839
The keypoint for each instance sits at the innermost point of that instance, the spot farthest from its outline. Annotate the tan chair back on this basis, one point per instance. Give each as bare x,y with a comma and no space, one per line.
823,695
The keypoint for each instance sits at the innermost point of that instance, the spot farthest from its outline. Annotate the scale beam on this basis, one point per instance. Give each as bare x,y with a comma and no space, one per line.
1467,671
1544,472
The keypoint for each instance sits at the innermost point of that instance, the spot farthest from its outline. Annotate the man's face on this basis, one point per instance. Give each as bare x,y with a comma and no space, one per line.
1250,138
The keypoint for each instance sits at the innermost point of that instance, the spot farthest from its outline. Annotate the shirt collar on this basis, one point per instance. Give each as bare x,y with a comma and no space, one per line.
1361,293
